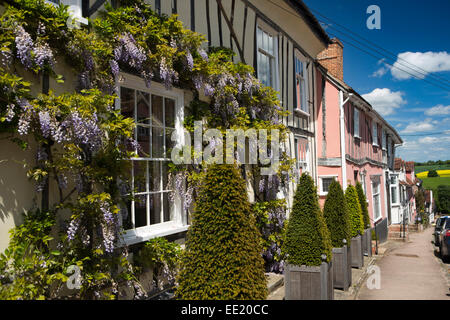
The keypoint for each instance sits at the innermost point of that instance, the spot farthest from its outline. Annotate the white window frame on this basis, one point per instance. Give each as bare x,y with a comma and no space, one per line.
356,123
363,182
303,164
304,84
375,133
376,215
263,27
397,187
178,222
321,178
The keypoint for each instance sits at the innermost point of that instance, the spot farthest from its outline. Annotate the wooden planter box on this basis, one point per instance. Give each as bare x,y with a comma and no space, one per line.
341,267
357,252
349,264
367,242
309,283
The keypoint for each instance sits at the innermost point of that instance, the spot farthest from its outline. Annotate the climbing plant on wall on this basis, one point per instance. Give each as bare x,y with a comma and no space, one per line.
83,143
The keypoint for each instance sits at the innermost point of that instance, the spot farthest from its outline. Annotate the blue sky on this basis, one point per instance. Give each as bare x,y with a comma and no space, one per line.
416,32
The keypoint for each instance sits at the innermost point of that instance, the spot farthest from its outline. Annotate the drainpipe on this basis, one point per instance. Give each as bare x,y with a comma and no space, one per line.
342,129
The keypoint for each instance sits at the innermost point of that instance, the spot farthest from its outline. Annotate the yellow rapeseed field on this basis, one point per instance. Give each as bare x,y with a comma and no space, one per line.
441,173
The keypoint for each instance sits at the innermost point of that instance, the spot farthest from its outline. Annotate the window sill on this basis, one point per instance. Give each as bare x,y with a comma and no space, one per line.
377,219
146,233
357,137
301,113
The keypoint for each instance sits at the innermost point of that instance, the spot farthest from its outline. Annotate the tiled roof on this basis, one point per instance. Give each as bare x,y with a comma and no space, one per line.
398,163
409,166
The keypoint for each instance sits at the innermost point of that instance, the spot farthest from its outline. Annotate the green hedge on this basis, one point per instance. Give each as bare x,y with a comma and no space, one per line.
336,215
307,235
222,260
356,218
363,202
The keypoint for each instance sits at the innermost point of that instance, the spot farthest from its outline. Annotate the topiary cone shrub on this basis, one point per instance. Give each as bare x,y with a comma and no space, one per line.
356,218
363,202
222,259
307,235
336,215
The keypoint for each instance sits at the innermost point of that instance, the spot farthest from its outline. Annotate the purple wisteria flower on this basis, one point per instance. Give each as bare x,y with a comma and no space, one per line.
203,54
190,61
168,75
44,120
43,54
130,52
209,90
10,112
114,67
86,131
73,228
24,45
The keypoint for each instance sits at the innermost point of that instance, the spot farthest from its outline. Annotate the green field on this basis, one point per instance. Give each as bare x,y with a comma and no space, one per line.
433,183
419,169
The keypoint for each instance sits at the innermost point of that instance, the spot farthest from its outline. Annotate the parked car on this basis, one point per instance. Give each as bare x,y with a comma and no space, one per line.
444,240
438,228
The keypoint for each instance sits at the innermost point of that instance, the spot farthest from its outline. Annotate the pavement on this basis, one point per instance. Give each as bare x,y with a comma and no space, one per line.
410,271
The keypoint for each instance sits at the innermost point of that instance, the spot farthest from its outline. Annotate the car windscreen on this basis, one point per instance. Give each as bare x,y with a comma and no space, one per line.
447,223
441,222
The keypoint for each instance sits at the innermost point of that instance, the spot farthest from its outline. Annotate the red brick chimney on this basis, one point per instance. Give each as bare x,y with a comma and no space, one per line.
332,58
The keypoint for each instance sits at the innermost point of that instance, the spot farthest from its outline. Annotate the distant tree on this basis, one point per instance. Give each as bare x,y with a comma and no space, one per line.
432,174
420,200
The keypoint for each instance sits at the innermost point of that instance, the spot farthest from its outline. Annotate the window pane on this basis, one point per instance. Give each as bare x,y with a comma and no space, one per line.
169,143
157,142
259,38
269,71
270,48
127,102
304,96
143,108
155,175
126,215
326,182
394,195
299,94
170,112
143,138
265,41
140,211
167,207
157,111
155,208
140,176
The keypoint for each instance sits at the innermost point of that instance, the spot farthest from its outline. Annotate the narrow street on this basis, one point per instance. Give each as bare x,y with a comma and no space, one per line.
410,271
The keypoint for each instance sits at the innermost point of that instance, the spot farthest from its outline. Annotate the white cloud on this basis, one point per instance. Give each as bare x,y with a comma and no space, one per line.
420,64
420,126
382,70
384,100
439,110
425,148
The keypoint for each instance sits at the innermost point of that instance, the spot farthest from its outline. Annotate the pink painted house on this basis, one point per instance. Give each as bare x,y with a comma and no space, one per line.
354,143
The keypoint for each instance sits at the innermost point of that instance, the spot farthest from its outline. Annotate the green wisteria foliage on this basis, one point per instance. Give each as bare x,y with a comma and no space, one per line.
83,142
